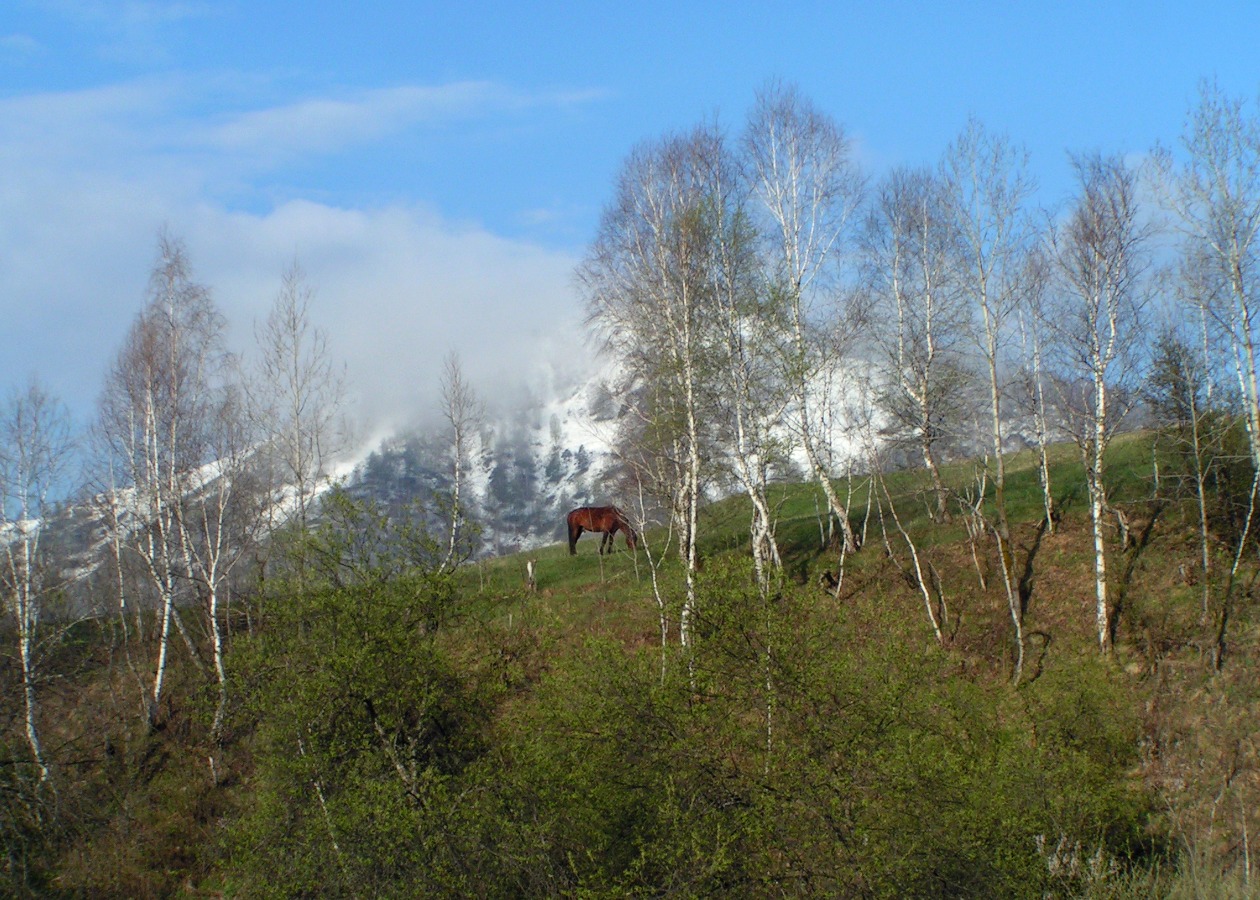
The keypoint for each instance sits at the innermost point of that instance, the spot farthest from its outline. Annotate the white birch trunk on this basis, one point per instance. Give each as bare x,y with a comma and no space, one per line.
919,574
1102,622
26,602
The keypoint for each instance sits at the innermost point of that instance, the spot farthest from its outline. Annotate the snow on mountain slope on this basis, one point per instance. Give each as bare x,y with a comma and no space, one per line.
528,463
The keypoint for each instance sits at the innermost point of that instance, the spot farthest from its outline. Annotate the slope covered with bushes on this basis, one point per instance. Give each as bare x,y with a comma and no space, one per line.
395,730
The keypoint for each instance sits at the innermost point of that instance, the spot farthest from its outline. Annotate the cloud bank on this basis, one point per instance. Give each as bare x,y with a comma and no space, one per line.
88,178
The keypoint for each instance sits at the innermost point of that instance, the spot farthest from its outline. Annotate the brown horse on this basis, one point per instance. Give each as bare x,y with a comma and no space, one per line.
607,519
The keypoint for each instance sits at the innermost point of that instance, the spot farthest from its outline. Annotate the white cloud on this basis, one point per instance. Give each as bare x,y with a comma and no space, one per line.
87,178
209,127
327,124
55,114
397,289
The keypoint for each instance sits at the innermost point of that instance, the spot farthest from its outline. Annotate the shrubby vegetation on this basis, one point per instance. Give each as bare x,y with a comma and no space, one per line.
930,668
399,728
390,756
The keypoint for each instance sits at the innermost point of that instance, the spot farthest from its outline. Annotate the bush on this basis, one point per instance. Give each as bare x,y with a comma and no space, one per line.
362,723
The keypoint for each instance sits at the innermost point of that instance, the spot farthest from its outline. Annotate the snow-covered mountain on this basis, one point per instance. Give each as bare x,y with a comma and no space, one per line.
528,464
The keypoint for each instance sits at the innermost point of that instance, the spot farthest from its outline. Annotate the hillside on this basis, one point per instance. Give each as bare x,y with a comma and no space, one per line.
418,734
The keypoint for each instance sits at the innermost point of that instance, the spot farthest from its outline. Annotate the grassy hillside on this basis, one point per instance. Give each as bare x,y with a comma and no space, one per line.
424,735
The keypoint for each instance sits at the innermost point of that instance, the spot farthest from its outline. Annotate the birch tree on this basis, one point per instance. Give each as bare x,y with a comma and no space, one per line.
1180,392
1215,196
297,394
1101,259
918,314
748,397
463,413
989,185
648,283
221,517
808,188
154,414
1032,328
35,448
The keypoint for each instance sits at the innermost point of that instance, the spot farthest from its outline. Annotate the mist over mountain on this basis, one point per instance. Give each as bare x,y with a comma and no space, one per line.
541,448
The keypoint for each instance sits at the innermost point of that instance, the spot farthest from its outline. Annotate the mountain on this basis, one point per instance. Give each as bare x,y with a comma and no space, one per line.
529,463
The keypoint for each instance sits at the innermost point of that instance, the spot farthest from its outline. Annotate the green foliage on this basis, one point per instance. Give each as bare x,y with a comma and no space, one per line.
793,754
911,781
1202,434
401,731
362,720
359,541
626,782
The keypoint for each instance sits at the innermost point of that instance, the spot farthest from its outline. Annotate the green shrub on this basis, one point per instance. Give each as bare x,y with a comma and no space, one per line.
362,722
789,753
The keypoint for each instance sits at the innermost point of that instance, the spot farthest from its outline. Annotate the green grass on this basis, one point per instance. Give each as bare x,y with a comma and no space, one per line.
590,594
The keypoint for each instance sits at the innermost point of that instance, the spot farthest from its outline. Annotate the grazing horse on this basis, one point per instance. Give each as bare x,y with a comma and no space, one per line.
607,519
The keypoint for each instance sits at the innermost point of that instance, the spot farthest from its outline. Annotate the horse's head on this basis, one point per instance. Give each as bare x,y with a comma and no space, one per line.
632,536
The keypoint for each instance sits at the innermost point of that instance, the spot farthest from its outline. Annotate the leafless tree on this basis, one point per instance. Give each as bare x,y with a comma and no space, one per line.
918,314
221,516
1182,394
1032,327
297,392
802,172
1101,262
1215,196
464,413
988,183
35,448
156,412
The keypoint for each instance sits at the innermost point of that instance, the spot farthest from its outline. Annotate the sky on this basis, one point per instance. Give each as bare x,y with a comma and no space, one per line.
438,169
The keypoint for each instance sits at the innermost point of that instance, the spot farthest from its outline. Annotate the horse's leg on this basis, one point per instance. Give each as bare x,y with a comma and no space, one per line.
605,542
575,532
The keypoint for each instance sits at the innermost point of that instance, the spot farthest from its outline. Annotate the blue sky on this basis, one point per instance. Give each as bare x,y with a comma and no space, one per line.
437,168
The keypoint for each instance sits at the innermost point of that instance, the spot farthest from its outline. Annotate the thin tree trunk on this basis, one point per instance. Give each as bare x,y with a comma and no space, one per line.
1227,601
1014,603
1097,509
1040,423
216,635
824,481
920,580
26,631
159,675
